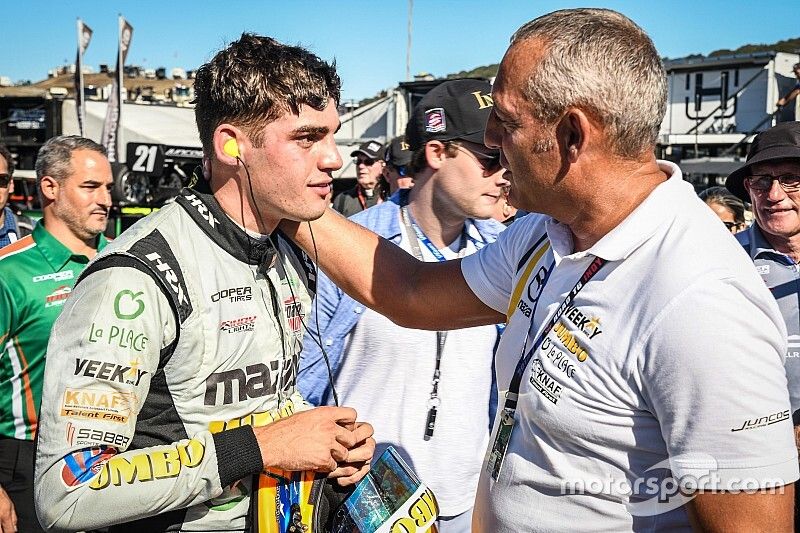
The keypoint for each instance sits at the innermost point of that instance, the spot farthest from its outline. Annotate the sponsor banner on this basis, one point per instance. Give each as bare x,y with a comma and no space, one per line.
148,466
84,37
110,135
98,404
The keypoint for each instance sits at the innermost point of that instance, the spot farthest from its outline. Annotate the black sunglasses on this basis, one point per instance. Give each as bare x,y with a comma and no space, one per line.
5,179
367,161
763,182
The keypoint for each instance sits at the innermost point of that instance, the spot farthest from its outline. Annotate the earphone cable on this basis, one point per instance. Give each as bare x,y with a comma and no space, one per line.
318,338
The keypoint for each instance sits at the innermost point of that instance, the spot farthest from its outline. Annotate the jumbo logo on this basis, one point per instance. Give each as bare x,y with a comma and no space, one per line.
569,342
420,515
158,464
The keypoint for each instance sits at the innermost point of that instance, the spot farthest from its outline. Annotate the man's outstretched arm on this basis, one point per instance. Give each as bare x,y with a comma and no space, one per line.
379,274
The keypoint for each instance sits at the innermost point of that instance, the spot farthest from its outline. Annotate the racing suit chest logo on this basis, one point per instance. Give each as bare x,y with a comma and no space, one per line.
238,385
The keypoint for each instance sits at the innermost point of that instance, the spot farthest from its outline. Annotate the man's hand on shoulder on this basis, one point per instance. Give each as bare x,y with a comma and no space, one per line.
325,439
8,517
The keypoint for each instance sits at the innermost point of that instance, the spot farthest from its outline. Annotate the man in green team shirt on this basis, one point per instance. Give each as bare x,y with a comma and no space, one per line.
37,273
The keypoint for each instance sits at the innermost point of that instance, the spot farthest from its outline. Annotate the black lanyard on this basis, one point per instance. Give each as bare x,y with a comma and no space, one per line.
513,389
415,236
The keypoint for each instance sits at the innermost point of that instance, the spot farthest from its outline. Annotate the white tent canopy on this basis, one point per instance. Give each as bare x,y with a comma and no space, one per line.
175,126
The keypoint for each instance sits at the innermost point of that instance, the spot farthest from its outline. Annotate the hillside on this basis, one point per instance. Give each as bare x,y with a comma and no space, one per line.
788,45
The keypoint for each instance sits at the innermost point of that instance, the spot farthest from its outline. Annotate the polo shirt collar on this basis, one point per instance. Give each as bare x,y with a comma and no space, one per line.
759,244
55,253
657,209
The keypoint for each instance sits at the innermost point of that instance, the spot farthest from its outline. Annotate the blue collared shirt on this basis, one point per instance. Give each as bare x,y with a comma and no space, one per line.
782,276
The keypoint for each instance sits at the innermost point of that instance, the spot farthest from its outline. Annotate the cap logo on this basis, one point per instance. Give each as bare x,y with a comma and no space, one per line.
373,147
434,120
404,146
484,100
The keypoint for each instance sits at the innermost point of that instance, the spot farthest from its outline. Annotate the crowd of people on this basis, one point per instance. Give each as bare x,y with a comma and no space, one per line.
612,360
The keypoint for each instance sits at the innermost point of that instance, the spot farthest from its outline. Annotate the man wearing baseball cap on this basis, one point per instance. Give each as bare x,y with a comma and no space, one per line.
397,157
368,159
770,179
419,385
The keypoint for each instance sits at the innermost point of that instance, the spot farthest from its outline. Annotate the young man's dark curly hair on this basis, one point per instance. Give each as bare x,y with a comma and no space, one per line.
255,80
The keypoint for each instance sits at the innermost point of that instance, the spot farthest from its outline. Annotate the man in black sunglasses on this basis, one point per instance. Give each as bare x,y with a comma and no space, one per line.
13,225
770,179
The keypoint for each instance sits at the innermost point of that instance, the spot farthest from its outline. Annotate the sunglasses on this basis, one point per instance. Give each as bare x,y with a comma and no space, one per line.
5,179
489,163
763,182
730,225
364,160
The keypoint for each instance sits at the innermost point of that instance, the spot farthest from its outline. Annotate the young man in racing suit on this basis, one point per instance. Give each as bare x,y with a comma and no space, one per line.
170,399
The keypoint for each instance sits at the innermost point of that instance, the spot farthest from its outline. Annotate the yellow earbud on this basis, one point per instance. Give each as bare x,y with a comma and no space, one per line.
231,148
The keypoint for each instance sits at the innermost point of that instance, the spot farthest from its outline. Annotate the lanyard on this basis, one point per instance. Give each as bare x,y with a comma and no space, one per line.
497,453
412,230
513,389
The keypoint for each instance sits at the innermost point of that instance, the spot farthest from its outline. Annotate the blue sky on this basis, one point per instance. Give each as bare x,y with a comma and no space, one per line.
367,38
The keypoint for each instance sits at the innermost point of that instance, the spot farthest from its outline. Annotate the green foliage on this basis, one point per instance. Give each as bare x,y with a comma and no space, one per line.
487,71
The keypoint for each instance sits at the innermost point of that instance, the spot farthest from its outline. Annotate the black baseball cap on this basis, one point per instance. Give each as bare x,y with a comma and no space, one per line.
397,152
454,109
371,149
779,142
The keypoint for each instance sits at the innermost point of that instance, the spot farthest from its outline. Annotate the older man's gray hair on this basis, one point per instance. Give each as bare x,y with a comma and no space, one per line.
600,61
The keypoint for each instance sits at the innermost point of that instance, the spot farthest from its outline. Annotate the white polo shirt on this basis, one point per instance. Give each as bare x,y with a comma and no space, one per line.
670,357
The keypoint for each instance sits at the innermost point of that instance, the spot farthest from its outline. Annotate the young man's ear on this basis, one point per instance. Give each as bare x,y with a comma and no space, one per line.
435,154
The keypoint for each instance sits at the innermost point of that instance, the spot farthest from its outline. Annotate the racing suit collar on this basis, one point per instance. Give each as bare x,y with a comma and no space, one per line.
209,216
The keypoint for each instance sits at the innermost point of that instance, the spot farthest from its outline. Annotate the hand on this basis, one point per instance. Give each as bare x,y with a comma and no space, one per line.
357,464
316,439
8,517
781,102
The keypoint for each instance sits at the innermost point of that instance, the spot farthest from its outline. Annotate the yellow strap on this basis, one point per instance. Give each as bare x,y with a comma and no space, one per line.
517,294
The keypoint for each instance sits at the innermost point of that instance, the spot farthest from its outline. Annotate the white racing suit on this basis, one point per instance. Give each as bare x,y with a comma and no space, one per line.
182,334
